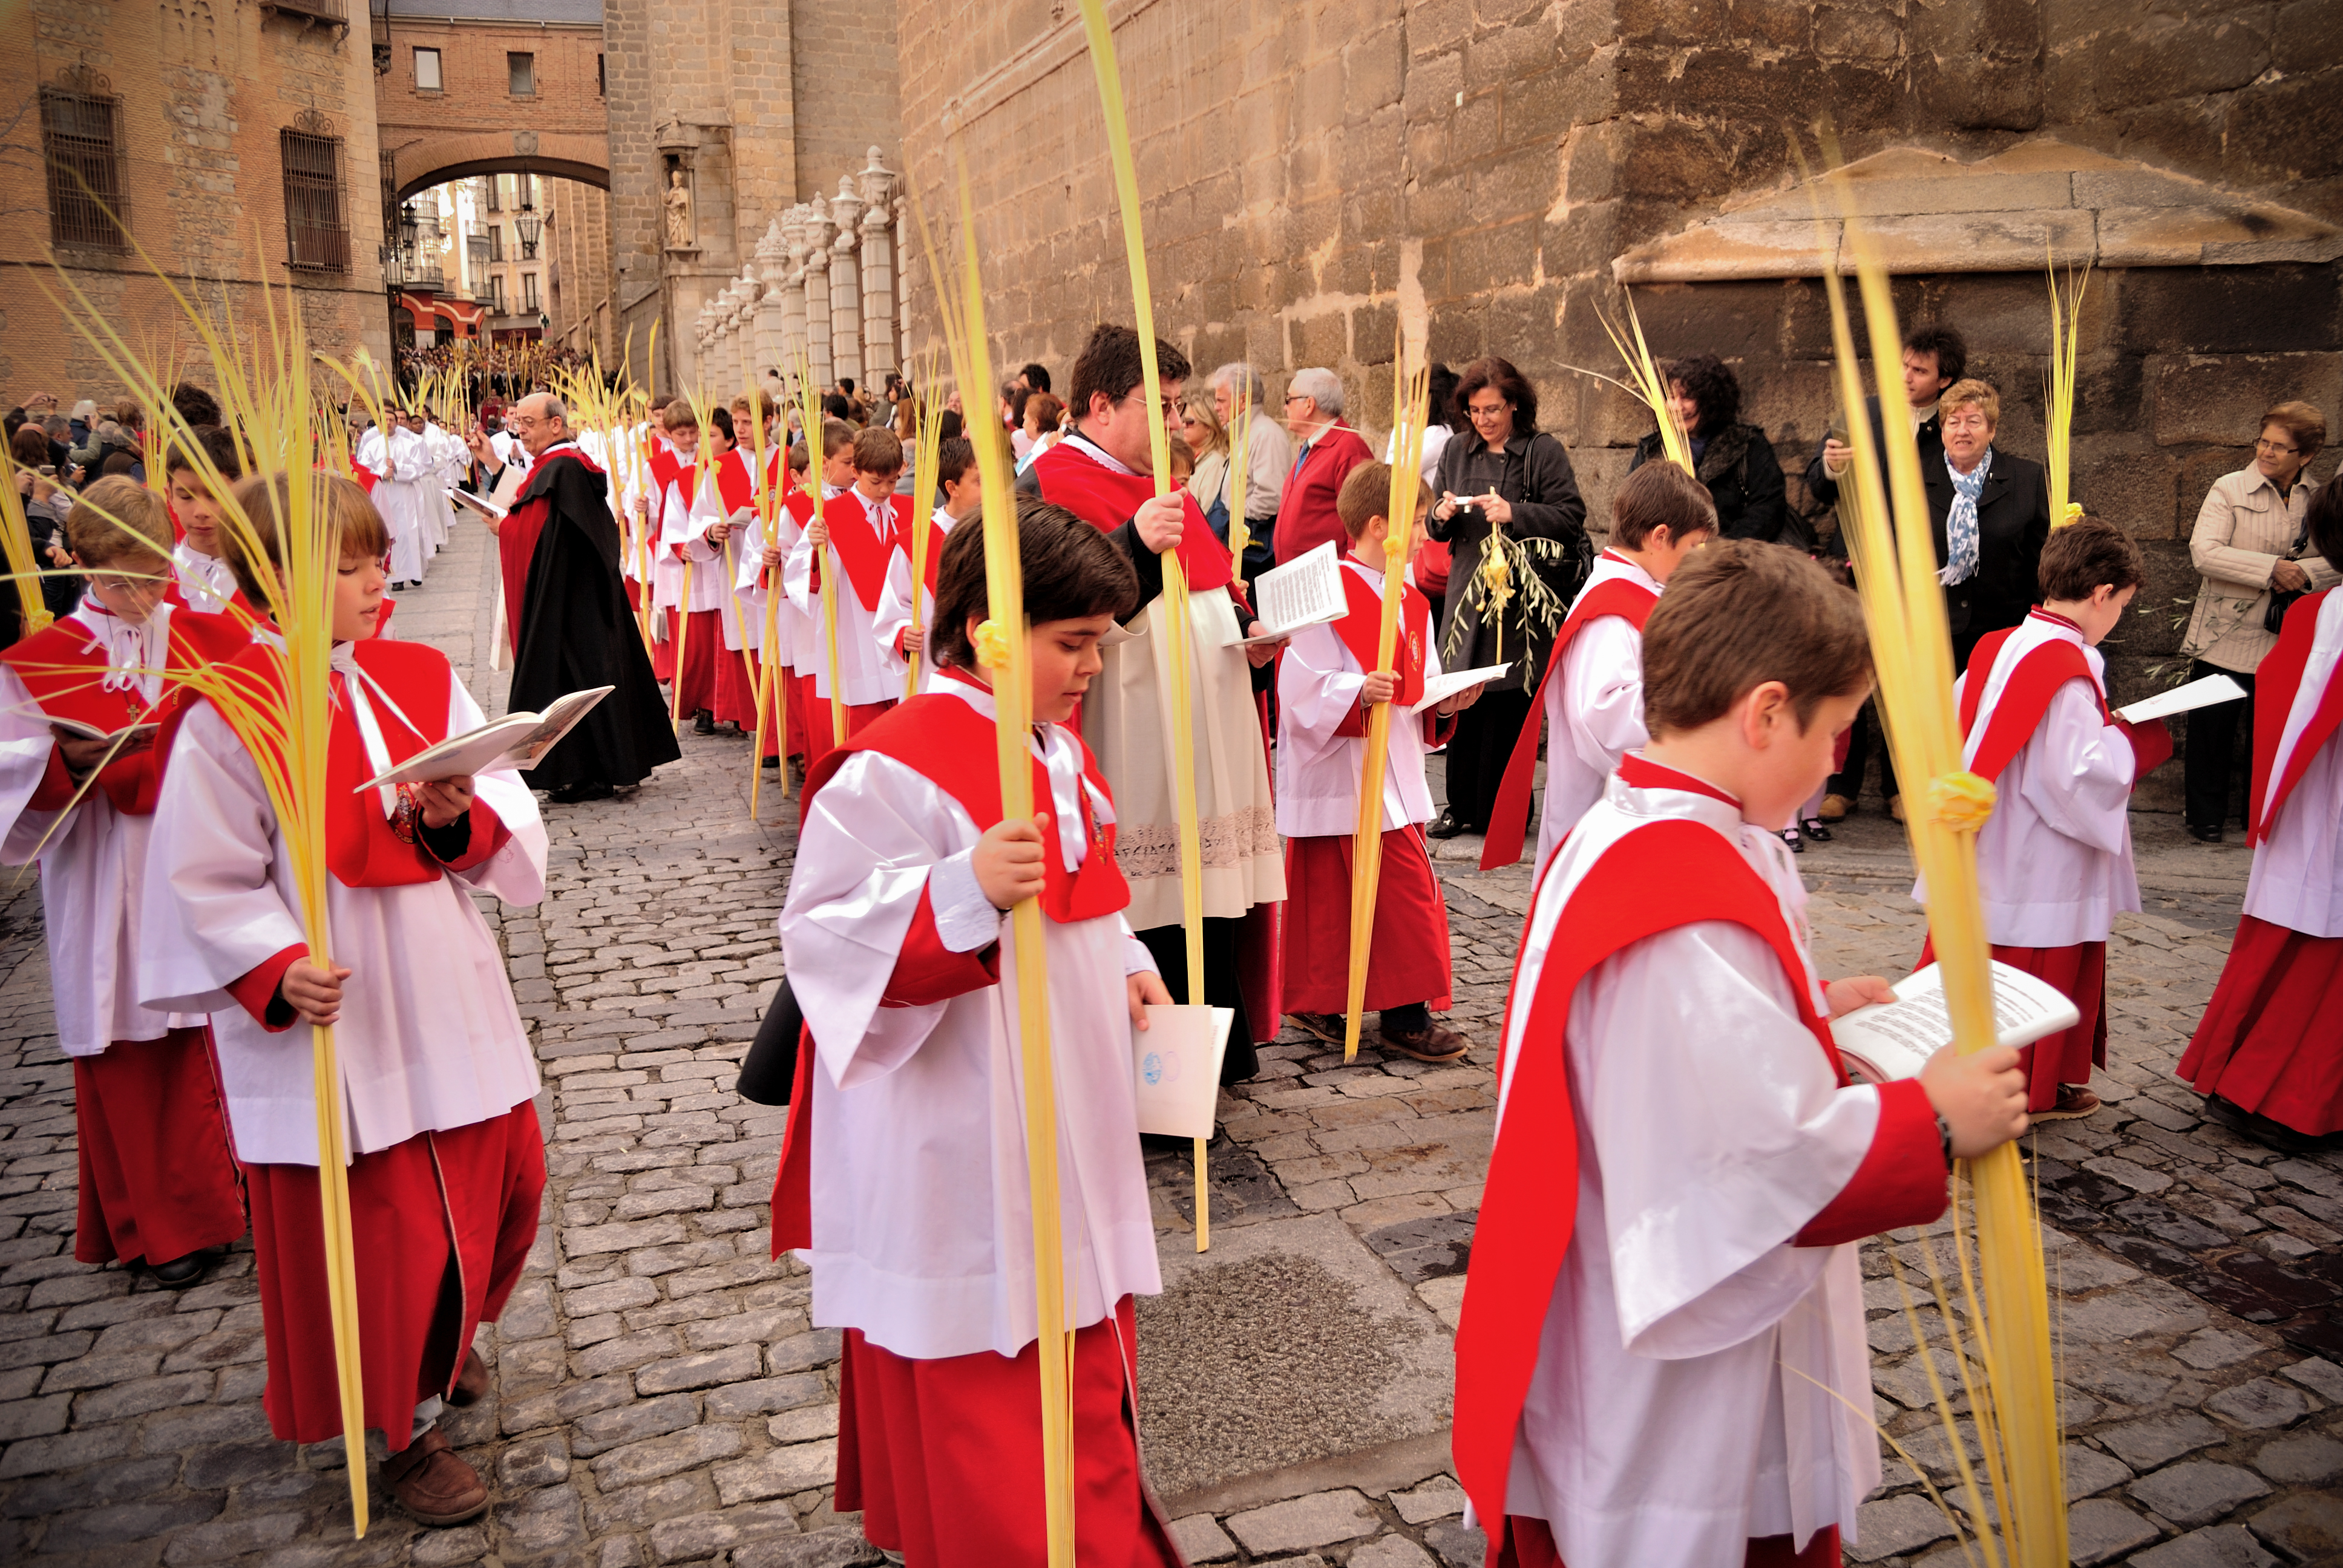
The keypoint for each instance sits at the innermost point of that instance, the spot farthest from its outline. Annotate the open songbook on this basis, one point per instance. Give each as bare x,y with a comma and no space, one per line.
2186,698
480,504
1441,687
516,740
1892,1040
1304,592
80,731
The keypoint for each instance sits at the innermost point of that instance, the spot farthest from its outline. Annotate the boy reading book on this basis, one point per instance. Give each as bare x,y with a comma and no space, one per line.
1327,685
201,579
857,529
903,1177
447,1166
2055,858
1662,1360
1591,696
157,1181
2268,1053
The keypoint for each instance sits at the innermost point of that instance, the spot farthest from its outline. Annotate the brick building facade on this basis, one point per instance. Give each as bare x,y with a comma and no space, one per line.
233,142
1306,166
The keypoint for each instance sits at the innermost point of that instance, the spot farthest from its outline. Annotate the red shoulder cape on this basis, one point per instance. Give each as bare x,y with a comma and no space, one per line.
1361,629
2277,683
862,549
1509,817
1072,478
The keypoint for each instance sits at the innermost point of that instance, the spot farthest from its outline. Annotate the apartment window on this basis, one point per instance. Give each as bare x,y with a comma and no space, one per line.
528,291
601,77
496,242
521,73
496,192
427,70
316,228
82,142
497,293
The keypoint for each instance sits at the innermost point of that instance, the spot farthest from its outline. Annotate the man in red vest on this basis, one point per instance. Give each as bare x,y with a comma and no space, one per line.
1325,451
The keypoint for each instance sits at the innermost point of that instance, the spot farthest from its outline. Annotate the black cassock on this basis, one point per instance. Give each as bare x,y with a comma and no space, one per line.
573,631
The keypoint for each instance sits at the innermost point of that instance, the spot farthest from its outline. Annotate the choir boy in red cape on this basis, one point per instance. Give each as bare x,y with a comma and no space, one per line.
1594,704
447,1167
157,1181
2054,859
1661,1359
963,491
1326,685
200,580
701,511
857,530
2270,1051
903,1178
761,556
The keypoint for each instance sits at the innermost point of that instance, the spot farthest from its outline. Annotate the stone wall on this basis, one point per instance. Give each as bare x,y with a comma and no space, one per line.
1305,165
205,87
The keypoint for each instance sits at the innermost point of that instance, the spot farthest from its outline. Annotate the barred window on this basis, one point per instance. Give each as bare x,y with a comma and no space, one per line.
83,145
317,228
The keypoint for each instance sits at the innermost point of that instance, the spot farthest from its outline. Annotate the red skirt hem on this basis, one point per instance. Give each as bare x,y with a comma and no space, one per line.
1410,935
818,728
158,1179
2268,1042
2079,972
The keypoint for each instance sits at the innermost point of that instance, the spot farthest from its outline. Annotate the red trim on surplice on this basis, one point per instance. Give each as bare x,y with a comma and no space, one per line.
1509,817
862,551
1072,478
2279,682
2025,698
1661,876
1362,627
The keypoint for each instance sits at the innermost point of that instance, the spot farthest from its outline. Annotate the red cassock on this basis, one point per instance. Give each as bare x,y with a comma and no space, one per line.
158,1179
2270,1041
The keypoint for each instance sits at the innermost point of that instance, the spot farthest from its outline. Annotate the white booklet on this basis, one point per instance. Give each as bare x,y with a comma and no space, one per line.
80,731
1447,684
480,504
1892,1040
2186,698
1176,1061
516,740
1305,592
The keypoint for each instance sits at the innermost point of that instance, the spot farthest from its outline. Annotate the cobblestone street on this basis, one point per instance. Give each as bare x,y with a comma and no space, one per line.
662,1397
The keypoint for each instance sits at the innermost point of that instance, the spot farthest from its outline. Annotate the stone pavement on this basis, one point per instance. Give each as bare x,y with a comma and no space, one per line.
662,1399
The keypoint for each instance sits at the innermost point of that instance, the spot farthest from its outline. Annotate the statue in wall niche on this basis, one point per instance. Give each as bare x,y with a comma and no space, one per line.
678,202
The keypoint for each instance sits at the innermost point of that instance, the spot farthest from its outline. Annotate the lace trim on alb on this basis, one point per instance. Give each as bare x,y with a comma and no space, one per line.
1152,850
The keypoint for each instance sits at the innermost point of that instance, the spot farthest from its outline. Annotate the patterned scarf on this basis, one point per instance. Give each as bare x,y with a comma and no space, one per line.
1961,524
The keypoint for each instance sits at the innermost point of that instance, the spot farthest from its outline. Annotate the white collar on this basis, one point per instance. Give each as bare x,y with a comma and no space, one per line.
1097,454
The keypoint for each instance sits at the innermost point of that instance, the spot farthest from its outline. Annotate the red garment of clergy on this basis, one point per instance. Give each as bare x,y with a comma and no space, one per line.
1072,479
1509,818
63,666
1361,631
517,535
863,550
2025,698
1667,874
951,745
2279,683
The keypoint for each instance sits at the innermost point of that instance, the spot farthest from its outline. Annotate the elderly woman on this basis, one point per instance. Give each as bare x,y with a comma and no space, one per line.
2249,545
1511,514
1734,460
1991,514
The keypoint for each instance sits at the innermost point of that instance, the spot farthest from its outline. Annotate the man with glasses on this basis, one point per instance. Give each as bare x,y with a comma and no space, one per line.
1269,458
1328,450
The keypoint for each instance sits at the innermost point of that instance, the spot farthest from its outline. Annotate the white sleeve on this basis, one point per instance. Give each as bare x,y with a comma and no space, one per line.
1318,686
1603,692
797,576
1720,1131
2078,771
25,745
892,615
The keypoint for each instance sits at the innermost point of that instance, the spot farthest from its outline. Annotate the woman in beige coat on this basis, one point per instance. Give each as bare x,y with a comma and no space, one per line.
2247,542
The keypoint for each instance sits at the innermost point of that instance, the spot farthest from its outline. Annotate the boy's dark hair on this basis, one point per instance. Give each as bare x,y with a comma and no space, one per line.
2324,523
1071,570
198,407
218,445
266,500
954,458
1365,496
1740,613
118,519
1660,495
1951,349
878,450
720,420
1109,363
837,436
117,461
835,406
1037,376
2086,554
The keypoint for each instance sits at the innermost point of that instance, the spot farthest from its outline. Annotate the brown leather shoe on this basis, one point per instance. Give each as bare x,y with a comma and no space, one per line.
471,1382
1835,807
431,1483
1436,1044
2075,1101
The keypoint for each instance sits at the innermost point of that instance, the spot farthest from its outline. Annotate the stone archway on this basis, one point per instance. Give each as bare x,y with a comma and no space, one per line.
431,160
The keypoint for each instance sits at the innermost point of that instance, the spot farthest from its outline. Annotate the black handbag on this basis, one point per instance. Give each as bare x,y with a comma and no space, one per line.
769,1071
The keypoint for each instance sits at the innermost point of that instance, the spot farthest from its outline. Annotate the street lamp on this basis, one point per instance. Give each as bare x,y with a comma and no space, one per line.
529,226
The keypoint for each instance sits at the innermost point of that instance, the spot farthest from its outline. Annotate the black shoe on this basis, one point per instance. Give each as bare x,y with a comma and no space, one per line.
1790,837
771,762
578,794
1813,829
179,1272
2205,835
703,724
1445,825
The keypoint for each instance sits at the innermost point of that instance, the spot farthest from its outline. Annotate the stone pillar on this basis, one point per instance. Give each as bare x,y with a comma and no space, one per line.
903,287
772,305
752,295
793,289
845,282
819,346
877,191
703,326
726,383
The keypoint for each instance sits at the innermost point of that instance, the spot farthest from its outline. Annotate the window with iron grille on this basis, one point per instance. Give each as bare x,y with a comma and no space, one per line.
83,145
497,293
316,228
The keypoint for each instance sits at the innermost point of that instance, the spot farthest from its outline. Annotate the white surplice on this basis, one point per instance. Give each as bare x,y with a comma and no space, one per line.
1687,1395
1593,708
922,1229
430,1036
2297,877
893,616
1318,771
406,466
2054,860
93,900
866,672
208,581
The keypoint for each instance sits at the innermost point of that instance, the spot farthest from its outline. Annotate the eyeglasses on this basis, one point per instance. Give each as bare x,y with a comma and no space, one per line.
1171,408
1478,412
111,583
2272,446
